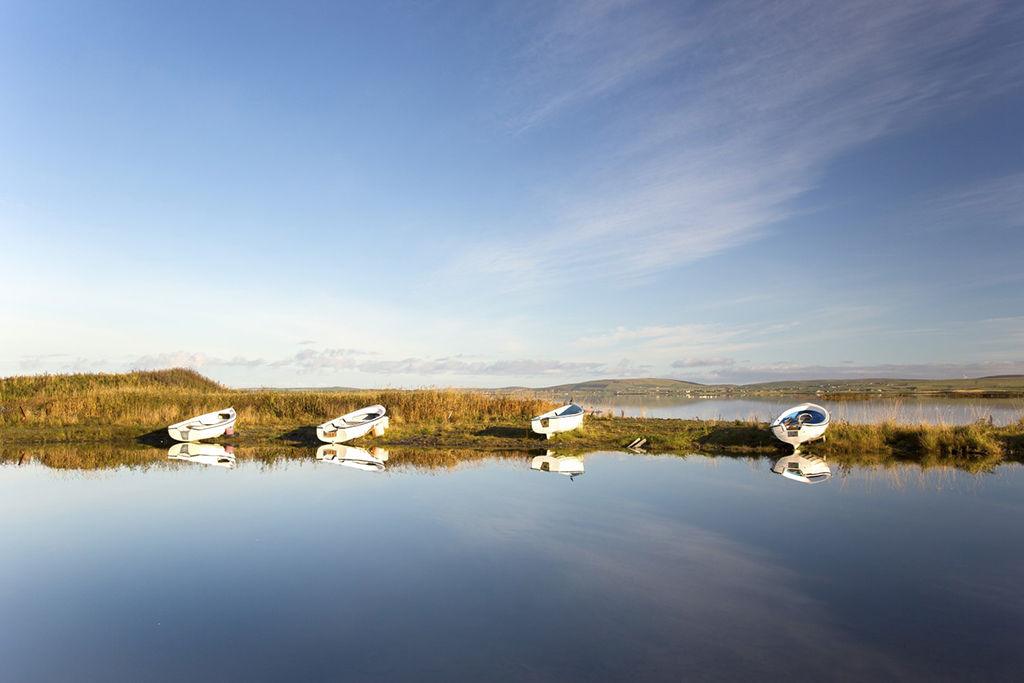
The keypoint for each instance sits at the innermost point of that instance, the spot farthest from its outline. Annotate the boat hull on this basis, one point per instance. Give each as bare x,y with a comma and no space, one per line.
331,433
208,426
798,436
554,422
800,424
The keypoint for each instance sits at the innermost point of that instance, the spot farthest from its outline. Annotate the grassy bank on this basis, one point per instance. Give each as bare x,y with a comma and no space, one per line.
137,407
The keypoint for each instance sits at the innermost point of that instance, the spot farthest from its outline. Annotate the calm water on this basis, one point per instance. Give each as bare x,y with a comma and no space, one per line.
1003,411
642,568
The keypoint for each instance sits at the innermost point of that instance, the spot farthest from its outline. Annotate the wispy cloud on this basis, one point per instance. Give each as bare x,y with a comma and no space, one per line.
993,204
660,336
717,361
664,344
722,116
334,360
582,50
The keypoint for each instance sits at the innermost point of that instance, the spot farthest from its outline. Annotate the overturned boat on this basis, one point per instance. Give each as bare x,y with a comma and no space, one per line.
806,469
800,424
209,454
350,456
559,420
568,465
353,425
208,426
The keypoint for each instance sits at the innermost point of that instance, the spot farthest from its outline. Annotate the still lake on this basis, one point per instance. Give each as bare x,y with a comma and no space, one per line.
915,410
653,568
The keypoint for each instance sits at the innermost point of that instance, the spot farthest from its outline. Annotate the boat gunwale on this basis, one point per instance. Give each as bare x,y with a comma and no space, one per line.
555,415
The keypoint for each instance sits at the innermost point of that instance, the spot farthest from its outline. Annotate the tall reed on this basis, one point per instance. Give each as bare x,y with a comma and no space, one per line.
165,397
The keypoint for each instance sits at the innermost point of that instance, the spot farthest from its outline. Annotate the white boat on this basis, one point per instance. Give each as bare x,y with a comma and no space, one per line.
562,419
800,424
355,424
807,469
560,464
208,426
350,456
209,454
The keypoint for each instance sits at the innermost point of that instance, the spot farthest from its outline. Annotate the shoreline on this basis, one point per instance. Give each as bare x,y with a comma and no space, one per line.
135,409
966,445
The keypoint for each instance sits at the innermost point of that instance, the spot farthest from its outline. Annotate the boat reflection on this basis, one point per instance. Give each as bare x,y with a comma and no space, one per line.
569,465
806,469
209,454
350,456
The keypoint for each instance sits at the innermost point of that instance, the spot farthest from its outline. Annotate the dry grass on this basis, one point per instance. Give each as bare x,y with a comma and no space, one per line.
974,447
153,399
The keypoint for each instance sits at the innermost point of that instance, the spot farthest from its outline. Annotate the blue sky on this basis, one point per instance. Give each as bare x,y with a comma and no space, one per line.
499,193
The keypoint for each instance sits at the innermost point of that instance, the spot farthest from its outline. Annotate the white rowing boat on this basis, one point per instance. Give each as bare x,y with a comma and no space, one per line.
560,464
208,426
355,424
209,454
800,424
562,419
806,469
350,456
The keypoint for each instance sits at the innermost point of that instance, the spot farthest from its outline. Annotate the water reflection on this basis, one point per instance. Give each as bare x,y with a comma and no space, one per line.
350,456
209,454
806,469
663,568
569,465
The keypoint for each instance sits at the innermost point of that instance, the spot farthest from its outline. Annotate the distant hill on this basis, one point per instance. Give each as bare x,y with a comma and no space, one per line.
624,386
1001,384
1011,384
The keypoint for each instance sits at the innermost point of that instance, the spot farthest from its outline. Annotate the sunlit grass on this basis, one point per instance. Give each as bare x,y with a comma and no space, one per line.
169,396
